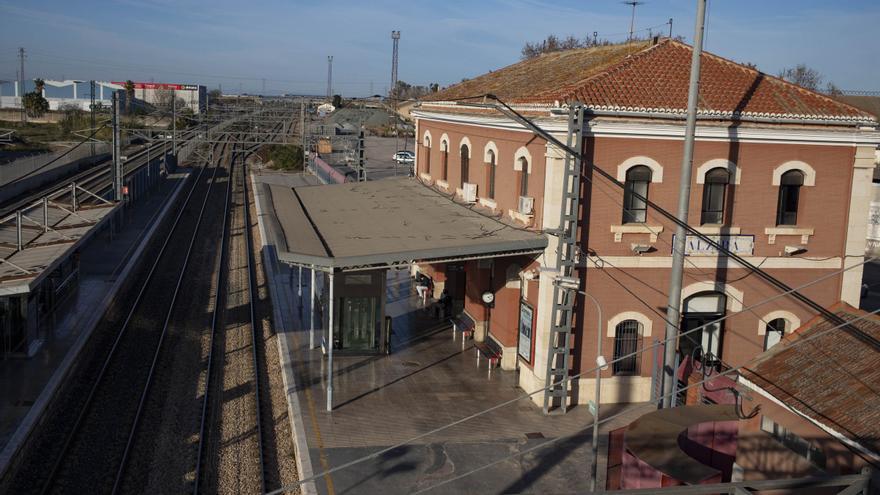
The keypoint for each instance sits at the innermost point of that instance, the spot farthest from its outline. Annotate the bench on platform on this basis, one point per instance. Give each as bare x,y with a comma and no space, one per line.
465,325
491,351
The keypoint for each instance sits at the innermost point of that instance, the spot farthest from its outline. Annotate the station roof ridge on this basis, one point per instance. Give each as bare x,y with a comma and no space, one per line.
653,78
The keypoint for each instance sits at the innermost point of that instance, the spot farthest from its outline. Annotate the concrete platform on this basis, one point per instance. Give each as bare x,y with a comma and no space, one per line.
26,385
427,382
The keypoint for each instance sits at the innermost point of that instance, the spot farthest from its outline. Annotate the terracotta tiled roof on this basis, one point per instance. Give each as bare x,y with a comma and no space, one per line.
654,78
833,378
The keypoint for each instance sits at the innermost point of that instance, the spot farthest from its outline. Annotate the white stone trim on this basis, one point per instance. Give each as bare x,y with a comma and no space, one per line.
809,172
425,176
522,152
656,168
442,184
780,262
490,146
734,295
489,203
444,143
792,322
636,228
772,232
717,230
466,141
847,136
426,138
734,171
645,322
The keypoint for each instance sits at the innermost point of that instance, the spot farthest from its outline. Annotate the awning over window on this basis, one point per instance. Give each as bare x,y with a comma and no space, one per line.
381,224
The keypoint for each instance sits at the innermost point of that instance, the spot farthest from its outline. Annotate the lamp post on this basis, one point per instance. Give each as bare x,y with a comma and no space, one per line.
600,365
573,283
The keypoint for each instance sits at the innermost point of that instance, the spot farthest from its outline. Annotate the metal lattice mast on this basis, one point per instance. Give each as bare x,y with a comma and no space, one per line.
94,117
117,150
21,84
361,161
395,37
330,78
559,354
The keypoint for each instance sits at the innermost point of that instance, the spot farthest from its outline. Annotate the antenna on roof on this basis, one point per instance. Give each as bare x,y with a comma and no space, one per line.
632,20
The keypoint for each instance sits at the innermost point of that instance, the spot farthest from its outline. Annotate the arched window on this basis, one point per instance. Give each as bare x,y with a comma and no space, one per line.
490,174
444,155
775,332
714,195
426,148
523,176
635,209
465,163
627,335
702,331
789,190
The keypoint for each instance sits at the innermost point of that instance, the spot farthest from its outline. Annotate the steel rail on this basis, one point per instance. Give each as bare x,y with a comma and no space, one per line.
88,402
253,313
144,393
218,299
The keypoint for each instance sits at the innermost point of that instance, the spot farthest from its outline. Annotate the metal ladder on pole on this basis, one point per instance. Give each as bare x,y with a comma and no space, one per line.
559,355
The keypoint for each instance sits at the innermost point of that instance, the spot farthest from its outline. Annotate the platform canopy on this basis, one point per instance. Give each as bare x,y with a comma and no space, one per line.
356,226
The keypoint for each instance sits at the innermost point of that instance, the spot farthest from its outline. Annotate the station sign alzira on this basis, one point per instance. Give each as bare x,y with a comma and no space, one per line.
742,245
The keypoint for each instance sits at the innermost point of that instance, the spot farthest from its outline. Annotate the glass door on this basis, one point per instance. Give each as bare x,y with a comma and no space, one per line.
358,320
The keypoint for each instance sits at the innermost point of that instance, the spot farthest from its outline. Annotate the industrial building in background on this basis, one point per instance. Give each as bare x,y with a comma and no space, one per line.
193,96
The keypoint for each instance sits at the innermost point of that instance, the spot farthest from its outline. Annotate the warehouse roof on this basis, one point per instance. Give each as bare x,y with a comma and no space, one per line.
652,78
832,378
382,223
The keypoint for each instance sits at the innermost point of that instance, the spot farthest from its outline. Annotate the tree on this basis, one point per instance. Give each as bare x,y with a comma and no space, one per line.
337,101
553,43
803,76
129,95
72,119
39,85
214,94
35,105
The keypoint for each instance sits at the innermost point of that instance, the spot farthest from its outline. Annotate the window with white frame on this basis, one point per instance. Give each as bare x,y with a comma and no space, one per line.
789,195
627,335
714,196
635,192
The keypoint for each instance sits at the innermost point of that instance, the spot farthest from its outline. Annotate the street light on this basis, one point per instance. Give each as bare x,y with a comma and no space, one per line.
573,283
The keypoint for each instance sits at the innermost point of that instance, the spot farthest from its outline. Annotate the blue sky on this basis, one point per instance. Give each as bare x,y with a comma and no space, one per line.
238,43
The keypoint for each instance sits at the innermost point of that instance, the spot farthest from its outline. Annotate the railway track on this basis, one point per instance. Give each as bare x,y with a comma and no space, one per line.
232,448
175,393
80,445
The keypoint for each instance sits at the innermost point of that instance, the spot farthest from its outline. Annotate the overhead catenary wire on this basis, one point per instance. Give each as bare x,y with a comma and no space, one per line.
658,343
613,416
67,152
506,109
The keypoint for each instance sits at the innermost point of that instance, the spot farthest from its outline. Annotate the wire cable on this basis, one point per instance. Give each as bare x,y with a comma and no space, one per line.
658,343
613,416
41,167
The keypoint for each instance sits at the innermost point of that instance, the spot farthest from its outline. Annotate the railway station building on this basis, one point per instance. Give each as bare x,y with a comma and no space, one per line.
781,175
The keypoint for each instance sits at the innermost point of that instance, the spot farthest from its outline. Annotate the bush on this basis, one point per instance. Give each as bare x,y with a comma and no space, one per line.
286,156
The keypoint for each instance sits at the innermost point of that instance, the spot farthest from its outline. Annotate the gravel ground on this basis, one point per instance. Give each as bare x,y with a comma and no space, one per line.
278,437
165,447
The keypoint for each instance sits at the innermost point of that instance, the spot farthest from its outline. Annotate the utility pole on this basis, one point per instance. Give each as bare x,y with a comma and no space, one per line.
94,116
673,306
670,27
117,150
395,93
330,78
21,57
632,20
174,125
302,130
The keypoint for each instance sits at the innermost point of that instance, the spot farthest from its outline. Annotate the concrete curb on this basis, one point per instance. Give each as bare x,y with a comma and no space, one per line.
17,440
280,298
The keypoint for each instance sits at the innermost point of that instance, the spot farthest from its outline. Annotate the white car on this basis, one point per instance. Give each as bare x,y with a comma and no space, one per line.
404,157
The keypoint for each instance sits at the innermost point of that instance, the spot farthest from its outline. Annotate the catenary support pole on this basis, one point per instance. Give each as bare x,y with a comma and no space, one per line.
312,312
117,150
594,441
330,347
173,124
673,306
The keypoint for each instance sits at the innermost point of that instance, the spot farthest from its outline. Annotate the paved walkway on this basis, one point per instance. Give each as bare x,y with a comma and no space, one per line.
429,381
22,381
